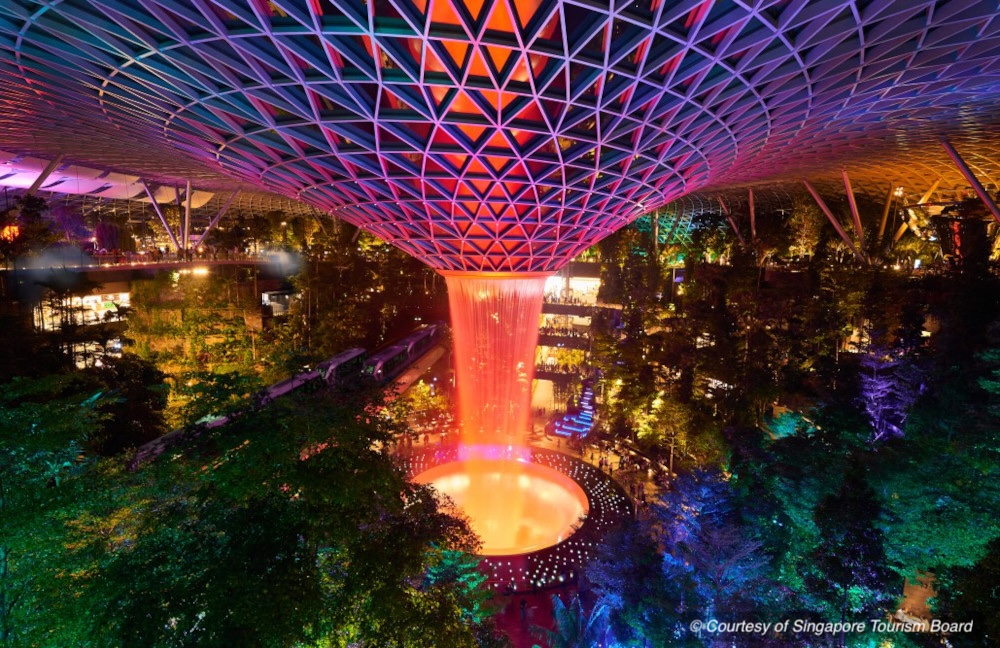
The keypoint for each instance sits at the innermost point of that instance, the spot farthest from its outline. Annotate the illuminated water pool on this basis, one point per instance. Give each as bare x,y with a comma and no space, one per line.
514,506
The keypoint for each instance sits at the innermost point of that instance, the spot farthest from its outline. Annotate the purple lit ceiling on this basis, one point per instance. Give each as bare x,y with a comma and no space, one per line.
505,135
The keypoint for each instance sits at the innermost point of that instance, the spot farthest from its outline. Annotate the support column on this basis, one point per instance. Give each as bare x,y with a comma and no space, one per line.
159,213
732,223
930,192
885,213
833,221
180,213
319,221
854,210
753,216
899,233
216,218
44,175
972,179
187,216
655,217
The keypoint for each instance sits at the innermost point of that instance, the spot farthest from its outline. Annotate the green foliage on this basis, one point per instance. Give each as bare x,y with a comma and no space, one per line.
33,231
849,570
204,395
289,526
45,425
806,223
573,626
133,406
460,570
942,482
425,403
971,594
212,573
359,291
712,238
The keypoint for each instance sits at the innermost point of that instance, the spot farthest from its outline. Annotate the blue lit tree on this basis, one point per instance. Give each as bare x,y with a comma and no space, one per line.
709,547
695,560
627,573
889,386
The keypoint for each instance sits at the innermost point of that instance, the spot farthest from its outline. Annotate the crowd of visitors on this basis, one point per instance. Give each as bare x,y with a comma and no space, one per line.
160,255
562,331
556,368
571,300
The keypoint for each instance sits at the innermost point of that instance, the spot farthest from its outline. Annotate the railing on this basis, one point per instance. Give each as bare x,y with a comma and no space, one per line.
579,342
84,261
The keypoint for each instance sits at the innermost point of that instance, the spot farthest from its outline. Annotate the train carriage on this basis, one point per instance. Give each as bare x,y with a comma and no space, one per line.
343,366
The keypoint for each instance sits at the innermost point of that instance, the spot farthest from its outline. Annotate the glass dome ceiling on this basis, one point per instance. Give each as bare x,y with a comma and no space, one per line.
504,135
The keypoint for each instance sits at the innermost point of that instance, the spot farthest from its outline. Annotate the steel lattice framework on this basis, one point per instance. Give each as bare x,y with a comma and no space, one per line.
498,135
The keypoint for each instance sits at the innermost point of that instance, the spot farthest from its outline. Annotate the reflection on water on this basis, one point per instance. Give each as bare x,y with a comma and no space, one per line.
514,507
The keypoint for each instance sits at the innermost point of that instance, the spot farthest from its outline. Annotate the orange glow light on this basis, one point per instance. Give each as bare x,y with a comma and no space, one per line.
10,232
514,507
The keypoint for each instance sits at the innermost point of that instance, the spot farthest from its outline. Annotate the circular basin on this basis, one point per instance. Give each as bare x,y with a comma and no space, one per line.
515,507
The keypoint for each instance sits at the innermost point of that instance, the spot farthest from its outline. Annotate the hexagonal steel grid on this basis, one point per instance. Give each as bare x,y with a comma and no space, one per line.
502,135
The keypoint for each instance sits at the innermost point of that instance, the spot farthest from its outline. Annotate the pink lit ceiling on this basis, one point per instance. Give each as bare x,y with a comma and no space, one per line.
503,135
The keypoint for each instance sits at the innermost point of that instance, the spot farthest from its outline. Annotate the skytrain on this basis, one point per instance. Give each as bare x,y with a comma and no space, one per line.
390,362
354,366
349,368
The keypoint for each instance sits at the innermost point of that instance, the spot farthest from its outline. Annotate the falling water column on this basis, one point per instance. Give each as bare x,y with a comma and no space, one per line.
514,506
495,325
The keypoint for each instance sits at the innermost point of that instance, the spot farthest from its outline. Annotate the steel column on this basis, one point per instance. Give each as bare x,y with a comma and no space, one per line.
899,233
180,214
833,221
187,216
215,220
732,223
43,176
854,209
930,192
159,213
885,213
971,177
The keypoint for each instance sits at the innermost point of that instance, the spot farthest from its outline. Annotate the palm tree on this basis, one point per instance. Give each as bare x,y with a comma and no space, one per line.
573,627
